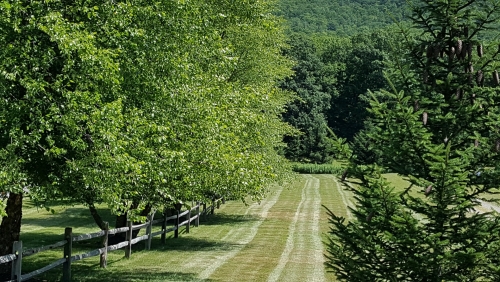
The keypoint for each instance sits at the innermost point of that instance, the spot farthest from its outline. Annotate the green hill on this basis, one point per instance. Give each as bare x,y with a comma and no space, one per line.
345,17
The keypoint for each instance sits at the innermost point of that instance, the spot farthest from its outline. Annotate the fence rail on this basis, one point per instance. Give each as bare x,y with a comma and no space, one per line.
7,258
16,257
44,248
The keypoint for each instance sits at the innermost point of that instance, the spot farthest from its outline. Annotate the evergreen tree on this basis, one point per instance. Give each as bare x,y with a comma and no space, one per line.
440,132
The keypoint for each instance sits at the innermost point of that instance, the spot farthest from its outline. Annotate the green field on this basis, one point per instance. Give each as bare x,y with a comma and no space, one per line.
280,239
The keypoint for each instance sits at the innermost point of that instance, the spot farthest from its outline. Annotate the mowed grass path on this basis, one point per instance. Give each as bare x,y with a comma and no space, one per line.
280,239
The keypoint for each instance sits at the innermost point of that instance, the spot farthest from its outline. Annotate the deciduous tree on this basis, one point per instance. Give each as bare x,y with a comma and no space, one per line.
138,104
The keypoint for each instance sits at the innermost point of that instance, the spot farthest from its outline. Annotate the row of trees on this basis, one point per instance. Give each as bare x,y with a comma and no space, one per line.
439,128
138,104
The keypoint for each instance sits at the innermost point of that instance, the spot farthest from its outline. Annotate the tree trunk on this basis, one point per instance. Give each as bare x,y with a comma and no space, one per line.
10,228
97,218
121,221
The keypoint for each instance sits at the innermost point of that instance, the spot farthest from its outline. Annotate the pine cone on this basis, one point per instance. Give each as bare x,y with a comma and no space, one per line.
476,143
459,94
495,78
471,67
497,145
463,53
424,118
416,106
458,46
479,78
480,50
428,190
451,53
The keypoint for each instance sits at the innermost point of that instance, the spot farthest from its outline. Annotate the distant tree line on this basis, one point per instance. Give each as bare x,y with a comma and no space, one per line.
332,76
341,17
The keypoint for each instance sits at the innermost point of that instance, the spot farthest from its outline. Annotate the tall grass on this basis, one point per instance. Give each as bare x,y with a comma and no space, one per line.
317,168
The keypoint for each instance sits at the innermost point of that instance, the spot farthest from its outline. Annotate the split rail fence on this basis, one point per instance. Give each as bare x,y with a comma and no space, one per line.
16,257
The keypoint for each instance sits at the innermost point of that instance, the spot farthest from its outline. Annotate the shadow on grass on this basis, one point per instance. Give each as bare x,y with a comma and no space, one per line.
91,273
69,217
136,275
183,244
88,270
223,219
39,239
80,216
190,244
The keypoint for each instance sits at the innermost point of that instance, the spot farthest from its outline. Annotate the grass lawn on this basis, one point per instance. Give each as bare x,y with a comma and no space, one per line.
280,239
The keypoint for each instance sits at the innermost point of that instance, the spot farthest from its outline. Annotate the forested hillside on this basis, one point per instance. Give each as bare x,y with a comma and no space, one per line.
341,17
341,50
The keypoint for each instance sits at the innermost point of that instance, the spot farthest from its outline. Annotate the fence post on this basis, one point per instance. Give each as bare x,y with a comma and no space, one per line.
197,221
149,228
189,221
176,233
223,200
68,234
218,203
212,208
104,256
128,249
204,208
164,227
17,249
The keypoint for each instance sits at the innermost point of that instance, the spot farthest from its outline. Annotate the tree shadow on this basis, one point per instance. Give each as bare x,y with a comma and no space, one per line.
190,244
90,273
141,276
35,239
67,218
39,239
224,219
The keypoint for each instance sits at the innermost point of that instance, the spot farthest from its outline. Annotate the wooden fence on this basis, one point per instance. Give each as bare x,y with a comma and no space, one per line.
16,257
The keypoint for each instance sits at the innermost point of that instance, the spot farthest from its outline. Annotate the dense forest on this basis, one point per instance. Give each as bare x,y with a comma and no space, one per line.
341,17
341,51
